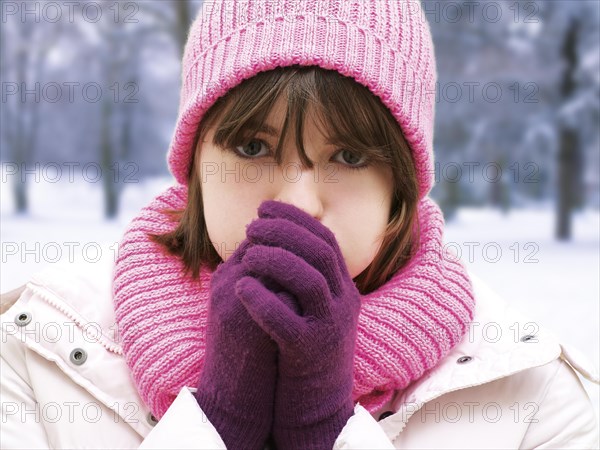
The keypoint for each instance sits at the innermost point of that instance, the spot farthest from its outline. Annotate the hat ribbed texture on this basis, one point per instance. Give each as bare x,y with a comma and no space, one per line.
384,45
405,327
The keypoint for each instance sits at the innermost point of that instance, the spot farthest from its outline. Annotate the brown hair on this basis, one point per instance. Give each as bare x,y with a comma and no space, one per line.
353,116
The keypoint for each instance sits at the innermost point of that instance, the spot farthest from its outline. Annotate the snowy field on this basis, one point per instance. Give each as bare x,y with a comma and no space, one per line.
555,284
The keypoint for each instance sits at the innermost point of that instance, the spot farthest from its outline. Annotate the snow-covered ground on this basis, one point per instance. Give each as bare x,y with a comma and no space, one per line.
555,284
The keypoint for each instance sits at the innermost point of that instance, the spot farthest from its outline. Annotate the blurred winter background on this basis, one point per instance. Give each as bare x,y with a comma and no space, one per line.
89,101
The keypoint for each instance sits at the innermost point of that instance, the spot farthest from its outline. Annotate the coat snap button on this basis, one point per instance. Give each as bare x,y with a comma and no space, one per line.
22,319
385,414
78,356
463,359
151,419
527,338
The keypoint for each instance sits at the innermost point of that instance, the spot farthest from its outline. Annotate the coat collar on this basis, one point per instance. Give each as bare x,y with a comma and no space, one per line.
53,301
500,342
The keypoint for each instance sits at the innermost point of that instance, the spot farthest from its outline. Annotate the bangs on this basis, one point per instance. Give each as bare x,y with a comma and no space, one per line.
346,113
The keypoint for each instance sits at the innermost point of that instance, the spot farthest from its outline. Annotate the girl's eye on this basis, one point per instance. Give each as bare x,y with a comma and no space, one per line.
353,161
251,149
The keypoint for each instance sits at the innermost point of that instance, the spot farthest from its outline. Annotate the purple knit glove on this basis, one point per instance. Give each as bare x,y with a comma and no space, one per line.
237,384
313,399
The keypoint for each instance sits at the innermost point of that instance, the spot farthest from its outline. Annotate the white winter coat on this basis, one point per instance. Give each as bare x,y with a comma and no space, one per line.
65,383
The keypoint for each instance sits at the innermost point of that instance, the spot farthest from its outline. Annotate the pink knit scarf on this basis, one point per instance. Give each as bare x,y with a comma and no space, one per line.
405,327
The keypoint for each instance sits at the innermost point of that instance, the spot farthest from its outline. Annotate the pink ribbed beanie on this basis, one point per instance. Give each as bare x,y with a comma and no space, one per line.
384,45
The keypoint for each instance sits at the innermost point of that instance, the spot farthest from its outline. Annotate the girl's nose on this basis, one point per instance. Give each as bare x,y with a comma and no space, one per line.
299,188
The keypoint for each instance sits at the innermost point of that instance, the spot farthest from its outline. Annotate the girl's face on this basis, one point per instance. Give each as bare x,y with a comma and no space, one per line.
353,203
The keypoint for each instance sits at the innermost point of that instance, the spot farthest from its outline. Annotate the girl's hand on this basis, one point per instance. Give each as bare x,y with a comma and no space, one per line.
237,383
316,344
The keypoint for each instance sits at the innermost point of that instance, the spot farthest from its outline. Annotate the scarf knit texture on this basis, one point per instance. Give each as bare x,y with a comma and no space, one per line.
405,327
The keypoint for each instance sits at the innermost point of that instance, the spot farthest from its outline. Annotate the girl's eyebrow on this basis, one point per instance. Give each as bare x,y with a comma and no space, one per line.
252,124
265,128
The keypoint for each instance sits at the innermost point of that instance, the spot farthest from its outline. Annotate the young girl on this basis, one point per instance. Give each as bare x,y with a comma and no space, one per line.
290,290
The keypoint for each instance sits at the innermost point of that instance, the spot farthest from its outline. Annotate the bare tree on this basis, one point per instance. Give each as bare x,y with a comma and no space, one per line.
20,115
122,47
174,20
570,157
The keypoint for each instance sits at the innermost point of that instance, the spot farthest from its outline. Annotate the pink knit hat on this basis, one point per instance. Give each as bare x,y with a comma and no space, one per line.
384,45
